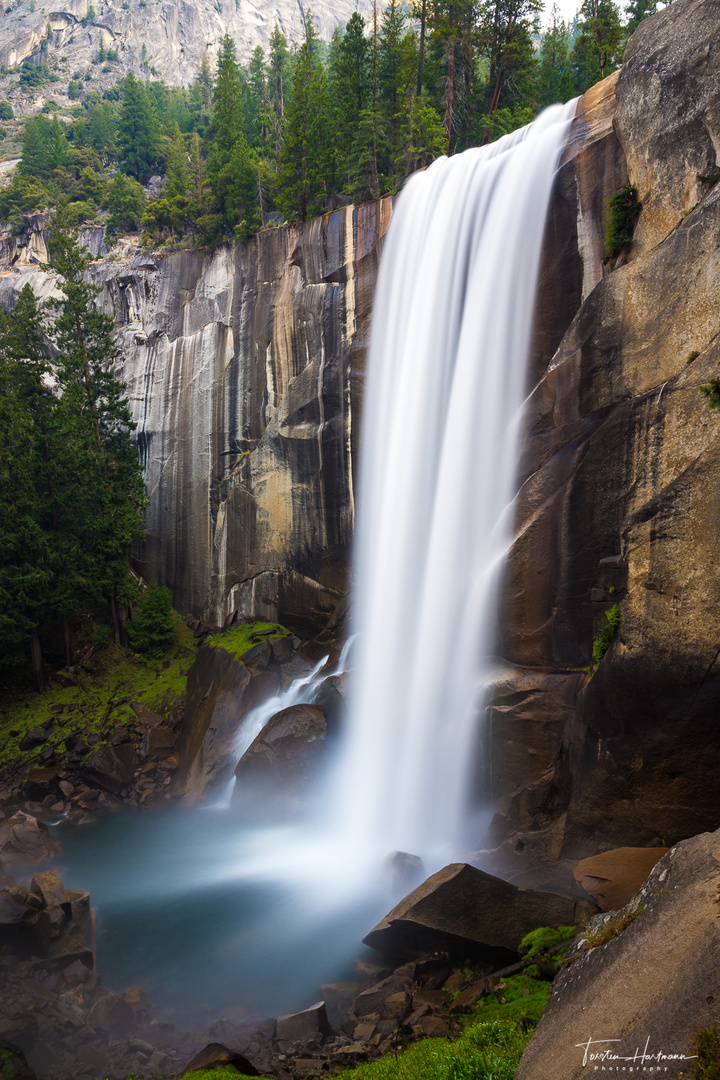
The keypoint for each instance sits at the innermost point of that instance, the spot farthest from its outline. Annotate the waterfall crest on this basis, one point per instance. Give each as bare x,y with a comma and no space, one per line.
447,378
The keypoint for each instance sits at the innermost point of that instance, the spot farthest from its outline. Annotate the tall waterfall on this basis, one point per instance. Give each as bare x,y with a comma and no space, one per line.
446,383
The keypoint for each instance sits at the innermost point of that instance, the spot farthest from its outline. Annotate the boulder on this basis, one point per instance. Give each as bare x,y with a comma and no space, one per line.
146,716
301,1025
613,877
24,840
158,740
467,913
111,767
112,1013
33,737
653,986
287,753
217,1056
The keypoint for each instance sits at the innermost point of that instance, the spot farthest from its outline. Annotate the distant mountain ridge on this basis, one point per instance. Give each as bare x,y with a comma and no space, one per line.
154,38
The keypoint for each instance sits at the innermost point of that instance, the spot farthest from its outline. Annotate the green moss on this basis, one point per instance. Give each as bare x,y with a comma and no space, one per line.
238,640
606,632
87,710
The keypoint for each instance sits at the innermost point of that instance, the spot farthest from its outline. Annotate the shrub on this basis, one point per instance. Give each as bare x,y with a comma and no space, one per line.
152,631
606,632
100,636
711,392
6,112
623,212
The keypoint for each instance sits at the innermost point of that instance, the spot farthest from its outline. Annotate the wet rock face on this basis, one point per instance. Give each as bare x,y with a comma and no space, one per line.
242,372
618,502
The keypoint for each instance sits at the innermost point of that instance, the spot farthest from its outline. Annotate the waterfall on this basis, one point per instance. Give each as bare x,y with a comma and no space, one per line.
261,913
447,378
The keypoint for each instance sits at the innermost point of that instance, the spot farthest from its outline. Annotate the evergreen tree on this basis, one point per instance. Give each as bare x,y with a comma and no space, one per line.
231,170
278,81
259,121
598,45
126,203
45,147
351,90
554,81
636,11
25,415
139,131
103,497
152,631
304,164
506,33
177,181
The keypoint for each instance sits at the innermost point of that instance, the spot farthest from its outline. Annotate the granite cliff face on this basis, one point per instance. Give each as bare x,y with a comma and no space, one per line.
619,500
241,371
168,39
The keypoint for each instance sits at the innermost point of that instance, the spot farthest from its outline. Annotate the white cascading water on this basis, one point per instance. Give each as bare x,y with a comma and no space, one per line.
447,378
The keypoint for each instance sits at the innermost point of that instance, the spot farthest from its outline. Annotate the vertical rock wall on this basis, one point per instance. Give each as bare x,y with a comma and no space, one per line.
241,372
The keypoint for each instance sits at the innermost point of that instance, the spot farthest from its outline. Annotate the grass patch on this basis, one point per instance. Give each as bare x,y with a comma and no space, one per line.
87,711
611,929
239,639
487,1050
706,1044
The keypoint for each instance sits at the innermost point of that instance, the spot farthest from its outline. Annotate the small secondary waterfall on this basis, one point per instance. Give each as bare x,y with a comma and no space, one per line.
447,379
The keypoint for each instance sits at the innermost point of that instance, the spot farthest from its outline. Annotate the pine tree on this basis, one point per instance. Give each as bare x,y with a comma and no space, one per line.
231,170
636,11
45,147
139,131
278,81
351,90
305,153
103,495
25,412
506,29
598,45
152,631
554,80
259,121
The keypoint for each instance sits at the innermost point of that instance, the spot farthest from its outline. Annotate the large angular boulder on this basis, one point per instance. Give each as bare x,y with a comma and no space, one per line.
24,840
217,1056
613,877
467,913
652,987
286,755
111,768
302,1025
